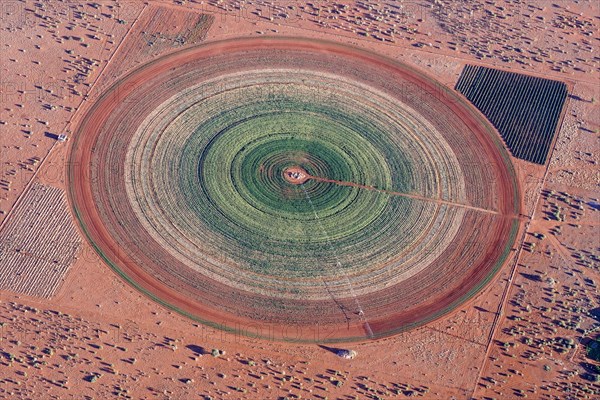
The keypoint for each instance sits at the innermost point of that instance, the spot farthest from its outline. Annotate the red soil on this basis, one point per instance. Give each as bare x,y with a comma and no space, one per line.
418,357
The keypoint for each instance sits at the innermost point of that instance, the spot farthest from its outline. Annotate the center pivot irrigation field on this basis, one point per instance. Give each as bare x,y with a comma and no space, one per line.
300,190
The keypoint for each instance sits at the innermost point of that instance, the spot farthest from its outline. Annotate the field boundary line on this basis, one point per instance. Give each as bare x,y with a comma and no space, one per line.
17,202
67,126
504,300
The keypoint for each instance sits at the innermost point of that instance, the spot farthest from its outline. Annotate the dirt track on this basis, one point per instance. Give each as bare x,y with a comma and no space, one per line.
408,195
384,316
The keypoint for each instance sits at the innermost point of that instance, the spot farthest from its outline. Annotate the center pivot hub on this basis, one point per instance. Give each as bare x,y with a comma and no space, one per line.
295,175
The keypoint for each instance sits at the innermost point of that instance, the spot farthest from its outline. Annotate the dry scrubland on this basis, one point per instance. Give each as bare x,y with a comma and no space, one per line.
54,53
57,355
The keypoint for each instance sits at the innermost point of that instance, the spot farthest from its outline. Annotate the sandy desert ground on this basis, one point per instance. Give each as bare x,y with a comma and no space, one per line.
85,333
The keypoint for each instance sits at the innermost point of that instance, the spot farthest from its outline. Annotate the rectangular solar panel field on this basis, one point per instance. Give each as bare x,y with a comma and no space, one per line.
525,109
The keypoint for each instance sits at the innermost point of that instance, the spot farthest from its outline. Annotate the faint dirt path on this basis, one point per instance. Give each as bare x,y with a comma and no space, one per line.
402,194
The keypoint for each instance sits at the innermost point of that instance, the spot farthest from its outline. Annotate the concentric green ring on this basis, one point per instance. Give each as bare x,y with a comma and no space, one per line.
243,193
227,191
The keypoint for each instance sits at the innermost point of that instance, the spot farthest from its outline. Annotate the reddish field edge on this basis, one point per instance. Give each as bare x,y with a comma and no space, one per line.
82,201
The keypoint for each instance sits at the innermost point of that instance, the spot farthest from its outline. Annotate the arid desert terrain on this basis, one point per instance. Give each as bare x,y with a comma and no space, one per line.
95,293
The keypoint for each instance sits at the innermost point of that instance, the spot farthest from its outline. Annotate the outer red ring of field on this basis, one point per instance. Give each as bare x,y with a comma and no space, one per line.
83,203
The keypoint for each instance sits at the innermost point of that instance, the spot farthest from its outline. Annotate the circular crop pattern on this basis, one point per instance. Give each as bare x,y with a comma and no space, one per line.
297,190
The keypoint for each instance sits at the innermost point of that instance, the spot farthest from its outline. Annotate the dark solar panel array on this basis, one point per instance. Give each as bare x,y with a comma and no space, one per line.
524,109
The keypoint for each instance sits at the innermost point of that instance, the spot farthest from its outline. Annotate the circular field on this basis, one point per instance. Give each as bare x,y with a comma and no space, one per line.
295,190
